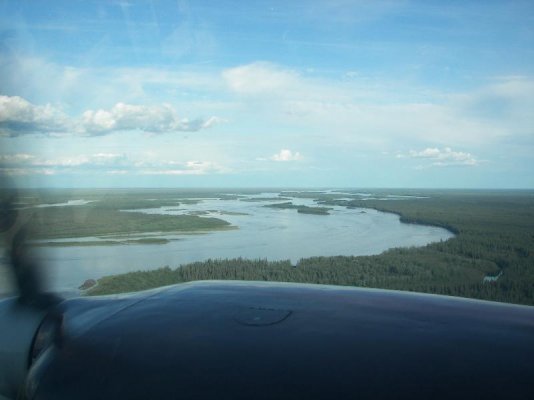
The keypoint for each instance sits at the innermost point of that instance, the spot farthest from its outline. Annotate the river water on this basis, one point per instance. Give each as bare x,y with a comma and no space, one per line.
267,233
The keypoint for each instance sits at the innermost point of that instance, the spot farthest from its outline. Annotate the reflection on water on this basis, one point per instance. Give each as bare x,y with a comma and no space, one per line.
273,234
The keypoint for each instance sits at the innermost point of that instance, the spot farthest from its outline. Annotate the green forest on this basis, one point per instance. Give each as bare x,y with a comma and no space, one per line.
494,237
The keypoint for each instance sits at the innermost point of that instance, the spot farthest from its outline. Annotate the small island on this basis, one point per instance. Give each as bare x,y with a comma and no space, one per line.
313,210
301,209
117,213
259,199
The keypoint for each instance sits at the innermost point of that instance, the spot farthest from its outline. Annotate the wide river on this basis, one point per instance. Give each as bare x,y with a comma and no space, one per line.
267,233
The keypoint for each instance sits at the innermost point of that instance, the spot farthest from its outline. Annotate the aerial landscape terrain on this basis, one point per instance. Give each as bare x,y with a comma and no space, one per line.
488,253
370,143
266,199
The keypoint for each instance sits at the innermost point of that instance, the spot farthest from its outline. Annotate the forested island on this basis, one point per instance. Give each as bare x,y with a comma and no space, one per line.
113,214
494,237
300,208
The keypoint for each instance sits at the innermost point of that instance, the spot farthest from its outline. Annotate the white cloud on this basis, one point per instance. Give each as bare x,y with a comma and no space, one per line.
185,168
26,171
363,111
121,117
443,157
13,159
502,109
278,86
97,160
259,78
152,119
20,117
362,114
355,111
200,123
172,172
366,109
286,155
17,116
108,163
29,164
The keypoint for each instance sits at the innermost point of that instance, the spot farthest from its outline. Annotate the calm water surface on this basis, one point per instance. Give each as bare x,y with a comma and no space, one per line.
273,234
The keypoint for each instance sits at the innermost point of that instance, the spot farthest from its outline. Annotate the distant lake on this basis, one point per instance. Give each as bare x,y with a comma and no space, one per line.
267,233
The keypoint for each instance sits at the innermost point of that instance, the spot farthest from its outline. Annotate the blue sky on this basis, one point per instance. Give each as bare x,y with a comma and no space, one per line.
267,93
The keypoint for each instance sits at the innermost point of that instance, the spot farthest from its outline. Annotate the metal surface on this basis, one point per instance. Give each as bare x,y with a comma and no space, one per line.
243,340
17,329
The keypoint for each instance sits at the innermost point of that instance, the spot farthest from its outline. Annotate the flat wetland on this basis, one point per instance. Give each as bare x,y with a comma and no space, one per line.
457,242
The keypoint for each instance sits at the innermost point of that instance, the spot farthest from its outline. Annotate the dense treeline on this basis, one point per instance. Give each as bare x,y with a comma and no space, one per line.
495,233
300,208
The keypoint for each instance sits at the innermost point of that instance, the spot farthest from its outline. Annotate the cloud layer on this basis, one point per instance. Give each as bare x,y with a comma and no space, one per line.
443,157
22,164
260,78
20,117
